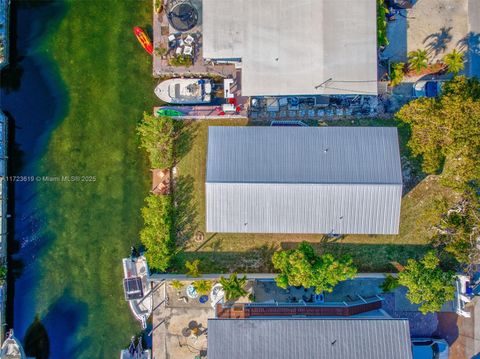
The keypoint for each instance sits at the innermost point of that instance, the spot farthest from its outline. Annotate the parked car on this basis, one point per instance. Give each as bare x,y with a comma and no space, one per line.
426,348
428,88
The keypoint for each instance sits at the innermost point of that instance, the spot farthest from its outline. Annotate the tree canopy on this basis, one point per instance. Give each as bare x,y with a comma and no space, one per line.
233,286
157,234
445,132
458,230
157,136
302,267
427,284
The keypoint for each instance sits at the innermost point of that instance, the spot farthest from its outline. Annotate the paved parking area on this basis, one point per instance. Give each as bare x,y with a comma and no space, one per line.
438,26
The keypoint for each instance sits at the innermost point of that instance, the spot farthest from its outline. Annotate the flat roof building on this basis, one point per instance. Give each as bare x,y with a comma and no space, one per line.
331,180
286,338
301,47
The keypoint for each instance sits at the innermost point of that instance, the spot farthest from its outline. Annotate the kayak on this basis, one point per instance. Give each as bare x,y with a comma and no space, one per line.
169,112
143,38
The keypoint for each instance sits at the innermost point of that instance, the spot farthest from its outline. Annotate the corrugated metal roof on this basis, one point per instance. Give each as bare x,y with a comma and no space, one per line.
303,180
291,47
303,155
309,339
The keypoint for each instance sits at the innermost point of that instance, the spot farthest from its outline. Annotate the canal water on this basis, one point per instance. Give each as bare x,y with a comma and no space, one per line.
77,85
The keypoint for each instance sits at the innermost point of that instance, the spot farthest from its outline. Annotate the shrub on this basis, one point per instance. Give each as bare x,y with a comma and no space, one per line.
158,6
397,73
160,51
192,268
382,11
158,235
3,273
181,60
157,136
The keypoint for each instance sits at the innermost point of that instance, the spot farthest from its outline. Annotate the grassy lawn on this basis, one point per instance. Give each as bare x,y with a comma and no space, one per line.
251,252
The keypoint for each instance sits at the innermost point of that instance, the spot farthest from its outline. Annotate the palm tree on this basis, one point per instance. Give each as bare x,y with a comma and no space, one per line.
418,60
203,287
233,286
192,268
176,284
454,62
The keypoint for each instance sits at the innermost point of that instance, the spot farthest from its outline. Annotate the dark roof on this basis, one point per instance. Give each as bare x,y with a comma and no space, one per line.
309,338
241,310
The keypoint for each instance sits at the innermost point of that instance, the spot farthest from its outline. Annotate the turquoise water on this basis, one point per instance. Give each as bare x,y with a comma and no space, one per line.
77,85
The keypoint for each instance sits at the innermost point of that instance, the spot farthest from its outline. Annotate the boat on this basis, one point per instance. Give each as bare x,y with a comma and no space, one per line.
11,348
169,112
137,287
143,38
135,351
185,91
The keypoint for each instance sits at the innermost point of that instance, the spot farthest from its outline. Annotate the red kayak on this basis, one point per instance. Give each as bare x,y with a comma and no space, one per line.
143,38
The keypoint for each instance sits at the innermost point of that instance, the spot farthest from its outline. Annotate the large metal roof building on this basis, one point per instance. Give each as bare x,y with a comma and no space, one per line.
332,180
301,47
309,338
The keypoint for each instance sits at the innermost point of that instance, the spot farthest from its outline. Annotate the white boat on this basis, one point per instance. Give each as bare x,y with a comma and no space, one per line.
185,91
136,351
137,287
11,348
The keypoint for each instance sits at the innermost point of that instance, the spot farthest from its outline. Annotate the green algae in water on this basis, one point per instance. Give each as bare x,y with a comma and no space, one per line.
92,224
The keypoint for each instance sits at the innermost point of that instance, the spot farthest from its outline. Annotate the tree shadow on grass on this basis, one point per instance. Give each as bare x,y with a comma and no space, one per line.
370,257
255,260
185,135
185,209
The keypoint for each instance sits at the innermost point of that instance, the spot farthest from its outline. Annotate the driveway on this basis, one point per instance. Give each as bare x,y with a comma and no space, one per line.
438,26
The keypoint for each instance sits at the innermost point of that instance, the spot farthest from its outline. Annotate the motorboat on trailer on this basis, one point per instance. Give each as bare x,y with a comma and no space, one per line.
136,351
185,91
137,287
11,348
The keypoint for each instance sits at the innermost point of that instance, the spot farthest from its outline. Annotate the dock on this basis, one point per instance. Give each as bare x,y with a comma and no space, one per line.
3,224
